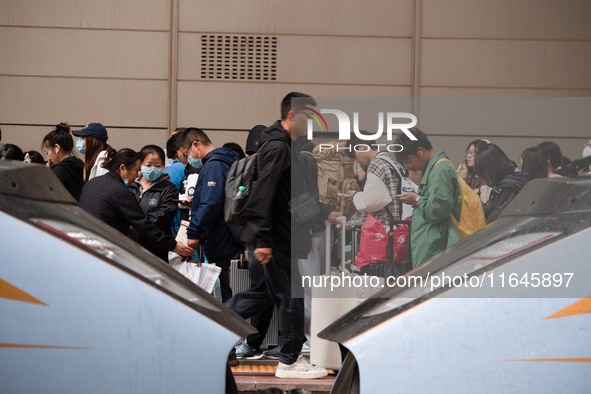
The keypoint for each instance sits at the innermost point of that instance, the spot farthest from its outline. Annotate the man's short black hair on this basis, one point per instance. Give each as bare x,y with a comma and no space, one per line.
192,134
410,147
355,140
297,101
173,145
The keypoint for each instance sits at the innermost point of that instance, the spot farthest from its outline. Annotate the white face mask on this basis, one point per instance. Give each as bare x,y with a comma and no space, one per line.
587,151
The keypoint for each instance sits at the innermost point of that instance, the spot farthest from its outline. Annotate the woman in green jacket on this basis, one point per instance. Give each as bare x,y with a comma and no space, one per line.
439,195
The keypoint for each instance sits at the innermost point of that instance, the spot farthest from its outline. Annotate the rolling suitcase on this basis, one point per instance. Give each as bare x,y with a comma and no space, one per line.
329,305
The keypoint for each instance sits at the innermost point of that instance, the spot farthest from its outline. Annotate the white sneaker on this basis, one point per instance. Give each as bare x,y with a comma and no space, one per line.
301,369
305,350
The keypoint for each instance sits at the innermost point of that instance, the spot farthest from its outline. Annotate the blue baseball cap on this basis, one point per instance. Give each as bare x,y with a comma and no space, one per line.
95,130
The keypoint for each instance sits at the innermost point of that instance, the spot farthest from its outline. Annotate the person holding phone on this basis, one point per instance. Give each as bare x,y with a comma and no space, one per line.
439,196
382,184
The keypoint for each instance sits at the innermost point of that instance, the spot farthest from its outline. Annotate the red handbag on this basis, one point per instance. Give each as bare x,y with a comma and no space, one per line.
400,239
373,243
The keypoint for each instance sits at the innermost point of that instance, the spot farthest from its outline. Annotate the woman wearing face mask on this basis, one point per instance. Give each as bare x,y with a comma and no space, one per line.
57,146
154,191
108,198
92,143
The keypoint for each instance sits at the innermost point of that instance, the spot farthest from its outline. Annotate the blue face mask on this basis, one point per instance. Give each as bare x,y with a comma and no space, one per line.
125,182
587,151
80,145
152,173
193,162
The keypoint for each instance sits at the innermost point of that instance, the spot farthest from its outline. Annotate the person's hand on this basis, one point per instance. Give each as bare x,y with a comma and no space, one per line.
263,255
333,216
410,198
183,250
193,243
349,195
187,203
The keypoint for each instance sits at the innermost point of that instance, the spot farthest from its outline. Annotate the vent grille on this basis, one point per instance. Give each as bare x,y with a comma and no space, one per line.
239,57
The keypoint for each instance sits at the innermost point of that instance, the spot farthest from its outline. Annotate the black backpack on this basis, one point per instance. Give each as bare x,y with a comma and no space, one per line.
242,174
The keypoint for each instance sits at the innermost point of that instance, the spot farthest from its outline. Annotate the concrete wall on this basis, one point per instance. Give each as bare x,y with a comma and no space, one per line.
137,65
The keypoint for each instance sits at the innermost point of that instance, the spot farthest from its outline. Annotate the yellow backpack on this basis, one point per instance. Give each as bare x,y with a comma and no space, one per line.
471,215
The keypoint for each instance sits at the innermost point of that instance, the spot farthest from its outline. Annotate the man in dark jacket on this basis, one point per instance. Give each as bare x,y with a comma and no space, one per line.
207,209
277,245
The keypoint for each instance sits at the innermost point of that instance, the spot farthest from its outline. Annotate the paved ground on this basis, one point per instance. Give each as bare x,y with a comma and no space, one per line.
256,376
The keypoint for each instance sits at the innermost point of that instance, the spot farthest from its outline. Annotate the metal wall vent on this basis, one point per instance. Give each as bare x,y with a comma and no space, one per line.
239,57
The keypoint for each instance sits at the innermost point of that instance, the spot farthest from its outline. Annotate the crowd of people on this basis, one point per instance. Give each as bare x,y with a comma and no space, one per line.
137,193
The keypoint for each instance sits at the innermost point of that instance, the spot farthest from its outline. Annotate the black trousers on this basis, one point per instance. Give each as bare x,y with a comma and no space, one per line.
258,290
279,282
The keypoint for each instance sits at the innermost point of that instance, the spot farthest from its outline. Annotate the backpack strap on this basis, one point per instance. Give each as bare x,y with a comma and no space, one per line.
257,160
443,159
451,215
396,172
398,175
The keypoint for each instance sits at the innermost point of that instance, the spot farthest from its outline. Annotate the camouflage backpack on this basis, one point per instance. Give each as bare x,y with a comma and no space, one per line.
336,176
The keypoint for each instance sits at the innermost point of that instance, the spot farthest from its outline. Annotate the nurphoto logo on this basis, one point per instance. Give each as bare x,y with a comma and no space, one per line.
390,119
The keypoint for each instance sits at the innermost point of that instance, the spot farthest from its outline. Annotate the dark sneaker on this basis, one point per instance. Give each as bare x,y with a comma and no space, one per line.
243,351
272,354
232,360
301,369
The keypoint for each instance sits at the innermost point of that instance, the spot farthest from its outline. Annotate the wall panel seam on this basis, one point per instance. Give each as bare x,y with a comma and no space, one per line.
240,81
173,64
504,87
83,77
403,37
84,28
455,38
82,125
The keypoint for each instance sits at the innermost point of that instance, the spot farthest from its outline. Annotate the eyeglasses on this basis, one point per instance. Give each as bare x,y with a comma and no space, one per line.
186,152
470,153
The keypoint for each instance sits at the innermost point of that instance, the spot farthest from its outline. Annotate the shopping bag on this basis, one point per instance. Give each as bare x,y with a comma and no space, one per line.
373,243
399,237
198,270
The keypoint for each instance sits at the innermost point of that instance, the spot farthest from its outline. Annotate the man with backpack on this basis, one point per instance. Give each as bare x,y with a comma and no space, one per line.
439,196
276,243
255,303
208,227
